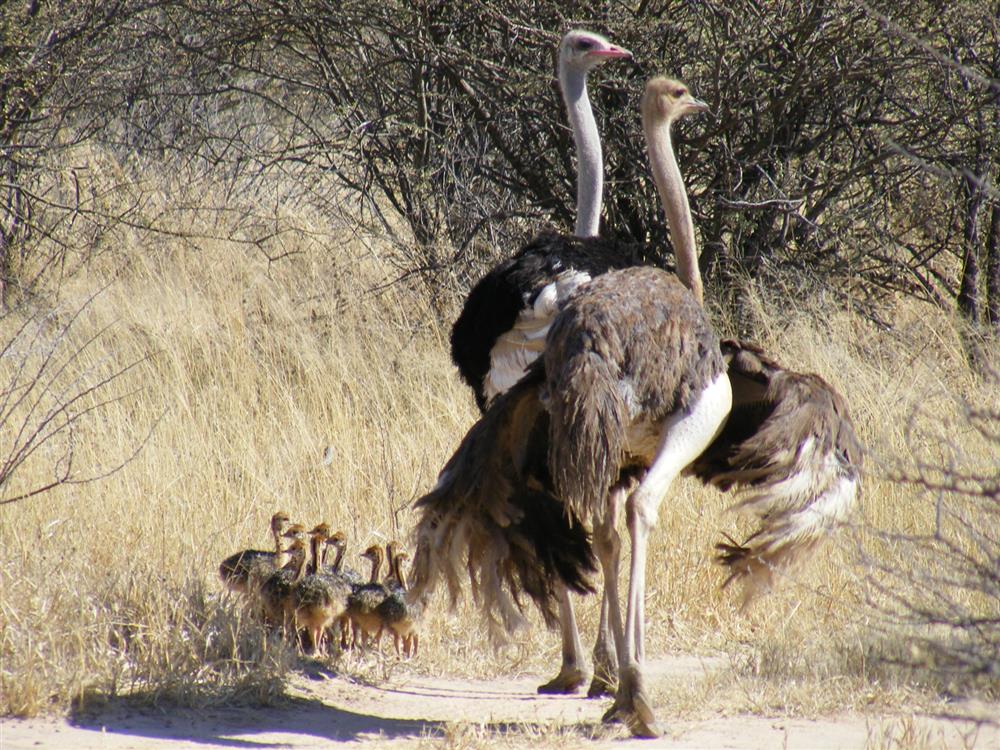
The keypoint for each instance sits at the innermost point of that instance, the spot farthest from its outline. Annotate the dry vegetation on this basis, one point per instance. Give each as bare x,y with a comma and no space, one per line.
247,371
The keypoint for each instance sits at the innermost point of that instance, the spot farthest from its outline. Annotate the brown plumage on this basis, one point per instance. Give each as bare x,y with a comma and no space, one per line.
632,349
395,612
790,448
276,589
492,518
343,582
363,602
241,571
316,602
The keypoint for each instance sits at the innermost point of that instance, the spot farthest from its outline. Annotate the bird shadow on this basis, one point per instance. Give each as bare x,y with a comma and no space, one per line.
246,726
265,726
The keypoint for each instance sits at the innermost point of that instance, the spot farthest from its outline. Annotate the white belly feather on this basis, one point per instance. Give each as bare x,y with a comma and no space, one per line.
516,349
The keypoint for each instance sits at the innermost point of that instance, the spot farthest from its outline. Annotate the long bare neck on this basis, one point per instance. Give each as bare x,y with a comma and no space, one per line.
376,567
280,556
589,159
400,576
314,553
338,561
291,561
300,565
673,196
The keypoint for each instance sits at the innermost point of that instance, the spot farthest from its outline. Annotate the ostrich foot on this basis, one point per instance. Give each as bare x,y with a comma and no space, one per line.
605,674
602,685
633,706
569,680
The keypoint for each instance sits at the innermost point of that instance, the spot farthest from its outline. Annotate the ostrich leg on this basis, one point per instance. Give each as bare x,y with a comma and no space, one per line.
573,672
684,437
607,545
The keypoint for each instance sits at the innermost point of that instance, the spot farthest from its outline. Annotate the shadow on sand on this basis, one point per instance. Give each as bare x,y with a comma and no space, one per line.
237,726
276,725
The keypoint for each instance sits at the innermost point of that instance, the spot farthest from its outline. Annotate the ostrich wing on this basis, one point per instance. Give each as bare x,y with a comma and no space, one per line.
790,448
503,323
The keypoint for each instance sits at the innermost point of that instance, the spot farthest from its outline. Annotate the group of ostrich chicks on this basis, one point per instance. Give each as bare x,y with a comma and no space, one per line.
296,590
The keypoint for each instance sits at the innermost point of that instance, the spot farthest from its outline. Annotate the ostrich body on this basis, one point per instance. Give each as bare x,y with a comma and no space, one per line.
276,589
635,382
634,386
317,600
395,612
344,581
240,571
502,327
363,603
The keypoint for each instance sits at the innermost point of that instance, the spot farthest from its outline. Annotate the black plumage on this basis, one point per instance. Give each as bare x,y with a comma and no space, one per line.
513,287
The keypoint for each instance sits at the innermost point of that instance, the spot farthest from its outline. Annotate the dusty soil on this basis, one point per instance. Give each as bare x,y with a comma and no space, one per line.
410,710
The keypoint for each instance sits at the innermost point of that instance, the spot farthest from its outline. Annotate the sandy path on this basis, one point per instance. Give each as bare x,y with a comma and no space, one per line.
398,713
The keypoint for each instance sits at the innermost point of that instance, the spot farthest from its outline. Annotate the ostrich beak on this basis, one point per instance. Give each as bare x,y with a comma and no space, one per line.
694,106
611,52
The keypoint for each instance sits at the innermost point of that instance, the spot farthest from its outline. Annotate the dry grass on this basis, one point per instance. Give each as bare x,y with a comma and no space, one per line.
248,373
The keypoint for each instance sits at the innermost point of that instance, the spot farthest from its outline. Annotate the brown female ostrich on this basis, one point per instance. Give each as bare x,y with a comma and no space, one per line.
633,386
544,274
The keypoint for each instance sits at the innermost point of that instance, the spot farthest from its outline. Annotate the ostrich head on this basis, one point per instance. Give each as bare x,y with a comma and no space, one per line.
297,549
279,521
374,554
295,531
584,50
669,99
337,541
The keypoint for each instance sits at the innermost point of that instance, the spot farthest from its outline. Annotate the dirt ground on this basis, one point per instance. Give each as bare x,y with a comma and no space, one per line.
410,711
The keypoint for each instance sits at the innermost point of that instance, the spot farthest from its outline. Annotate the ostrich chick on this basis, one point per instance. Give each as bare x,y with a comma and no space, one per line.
314,602
239,571
342,581
396,614
277,587
364,601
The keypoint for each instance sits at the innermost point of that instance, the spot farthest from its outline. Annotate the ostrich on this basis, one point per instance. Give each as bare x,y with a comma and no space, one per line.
365,599
503,323
239,571
634,386
502,328
275,590
395,613
317,598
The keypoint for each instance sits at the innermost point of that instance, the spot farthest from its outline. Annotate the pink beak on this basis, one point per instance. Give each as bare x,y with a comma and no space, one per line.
612,52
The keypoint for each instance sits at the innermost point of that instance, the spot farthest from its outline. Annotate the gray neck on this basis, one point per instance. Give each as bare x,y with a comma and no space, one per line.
590,174
673,196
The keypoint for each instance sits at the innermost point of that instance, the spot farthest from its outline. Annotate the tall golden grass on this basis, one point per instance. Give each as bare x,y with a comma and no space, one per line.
312,386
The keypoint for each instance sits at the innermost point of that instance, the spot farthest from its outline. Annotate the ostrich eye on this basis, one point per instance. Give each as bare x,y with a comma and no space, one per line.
585,44
679,92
